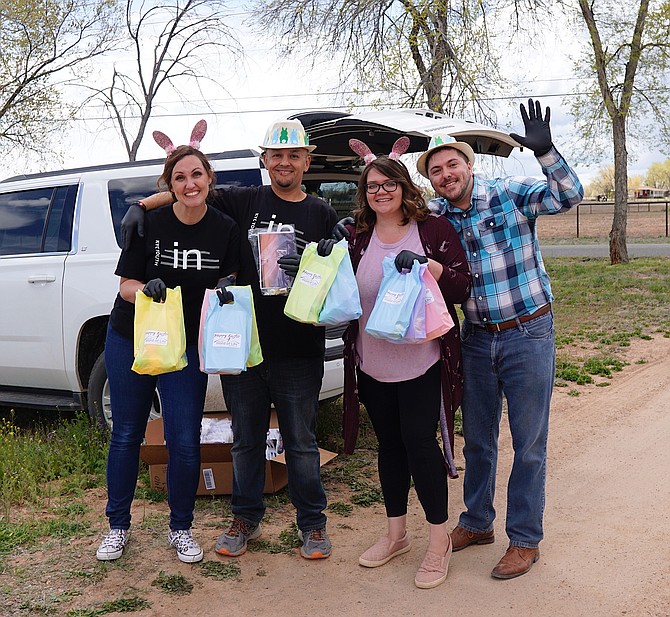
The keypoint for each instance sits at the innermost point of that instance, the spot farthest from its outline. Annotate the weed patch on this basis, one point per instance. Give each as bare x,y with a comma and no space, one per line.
174,584
341,508
220,571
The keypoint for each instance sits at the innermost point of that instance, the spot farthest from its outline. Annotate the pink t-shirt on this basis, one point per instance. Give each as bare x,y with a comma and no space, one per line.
383,360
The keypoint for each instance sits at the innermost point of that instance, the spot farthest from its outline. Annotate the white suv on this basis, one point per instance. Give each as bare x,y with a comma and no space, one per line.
60,238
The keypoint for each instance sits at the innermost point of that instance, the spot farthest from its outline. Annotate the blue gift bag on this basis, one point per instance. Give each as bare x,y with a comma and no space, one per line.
392,312
225,332
343,302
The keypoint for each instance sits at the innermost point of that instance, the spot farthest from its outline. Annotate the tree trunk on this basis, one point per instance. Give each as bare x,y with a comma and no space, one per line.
618,248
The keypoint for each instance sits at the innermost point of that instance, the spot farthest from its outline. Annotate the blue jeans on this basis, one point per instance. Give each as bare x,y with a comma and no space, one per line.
183,398
293,385
518,363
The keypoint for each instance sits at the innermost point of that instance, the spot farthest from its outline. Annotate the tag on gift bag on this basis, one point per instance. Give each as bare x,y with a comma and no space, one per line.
312,283
343,302
159,334
392,312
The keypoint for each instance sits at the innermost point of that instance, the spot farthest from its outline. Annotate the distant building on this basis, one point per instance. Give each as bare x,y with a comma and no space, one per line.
649,192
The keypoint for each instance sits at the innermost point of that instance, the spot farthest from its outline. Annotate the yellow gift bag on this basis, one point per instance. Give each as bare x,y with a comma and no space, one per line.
160,337
255,351
312,283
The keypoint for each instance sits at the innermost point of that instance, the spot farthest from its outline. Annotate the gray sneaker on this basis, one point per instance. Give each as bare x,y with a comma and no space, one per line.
112,544
315,544
188,550
233,542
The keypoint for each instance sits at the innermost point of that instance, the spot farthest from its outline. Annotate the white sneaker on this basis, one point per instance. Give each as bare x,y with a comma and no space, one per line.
188,550
112,544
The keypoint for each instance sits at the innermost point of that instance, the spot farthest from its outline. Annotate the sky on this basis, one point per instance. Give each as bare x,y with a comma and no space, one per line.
261,89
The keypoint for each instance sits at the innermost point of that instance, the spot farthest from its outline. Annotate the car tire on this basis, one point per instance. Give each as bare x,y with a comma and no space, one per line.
99,402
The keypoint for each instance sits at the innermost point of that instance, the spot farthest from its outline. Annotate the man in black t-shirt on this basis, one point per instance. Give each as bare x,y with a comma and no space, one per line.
292,371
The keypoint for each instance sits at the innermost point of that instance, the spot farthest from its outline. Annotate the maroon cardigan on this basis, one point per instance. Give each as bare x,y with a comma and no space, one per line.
441,243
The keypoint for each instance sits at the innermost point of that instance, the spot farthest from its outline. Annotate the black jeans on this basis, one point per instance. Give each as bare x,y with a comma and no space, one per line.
405,417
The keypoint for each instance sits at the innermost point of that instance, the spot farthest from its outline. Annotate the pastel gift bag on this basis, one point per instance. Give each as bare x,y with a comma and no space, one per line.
159,334
343,302
392,312
438,318
227,332
312,283
416,331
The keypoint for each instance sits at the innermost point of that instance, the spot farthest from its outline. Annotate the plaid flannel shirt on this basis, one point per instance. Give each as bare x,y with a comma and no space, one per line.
498,234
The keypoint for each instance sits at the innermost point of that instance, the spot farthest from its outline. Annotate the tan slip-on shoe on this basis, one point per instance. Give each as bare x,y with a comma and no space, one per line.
384,550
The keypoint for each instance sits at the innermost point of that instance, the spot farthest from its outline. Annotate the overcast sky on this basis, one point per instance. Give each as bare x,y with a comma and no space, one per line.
262,90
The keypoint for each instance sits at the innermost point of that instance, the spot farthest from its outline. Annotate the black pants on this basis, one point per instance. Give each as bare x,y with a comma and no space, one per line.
405,417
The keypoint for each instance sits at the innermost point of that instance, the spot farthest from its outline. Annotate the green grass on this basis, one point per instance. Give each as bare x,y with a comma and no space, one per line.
130,604
31,460
173,584
220,570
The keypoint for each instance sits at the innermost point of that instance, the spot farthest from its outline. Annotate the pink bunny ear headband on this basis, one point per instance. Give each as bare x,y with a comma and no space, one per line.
399,147
197,135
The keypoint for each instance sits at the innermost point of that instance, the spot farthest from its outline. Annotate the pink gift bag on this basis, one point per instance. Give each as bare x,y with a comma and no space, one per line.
438,319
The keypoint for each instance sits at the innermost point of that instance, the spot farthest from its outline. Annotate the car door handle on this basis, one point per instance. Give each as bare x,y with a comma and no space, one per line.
42,278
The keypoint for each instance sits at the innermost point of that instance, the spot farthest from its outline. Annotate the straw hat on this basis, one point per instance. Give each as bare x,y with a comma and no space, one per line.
439,141
286,134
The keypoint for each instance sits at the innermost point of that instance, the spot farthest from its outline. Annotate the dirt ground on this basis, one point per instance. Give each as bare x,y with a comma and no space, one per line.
606,550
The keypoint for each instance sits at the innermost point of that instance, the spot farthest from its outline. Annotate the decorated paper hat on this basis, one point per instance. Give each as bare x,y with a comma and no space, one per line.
286,134
439,141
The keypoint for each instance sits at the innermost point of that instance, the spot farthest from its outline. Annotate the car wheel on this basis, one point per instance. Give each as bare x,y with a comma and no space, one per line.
99,402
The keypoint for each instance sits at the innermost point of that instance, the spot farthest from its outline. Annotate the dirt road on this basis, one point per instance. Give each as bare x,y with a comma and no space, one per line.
606,551
607,546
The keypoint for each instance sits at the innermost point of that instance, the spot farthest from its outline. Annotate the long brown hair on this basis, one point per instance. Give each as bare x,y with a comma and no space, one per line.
413,204
180,152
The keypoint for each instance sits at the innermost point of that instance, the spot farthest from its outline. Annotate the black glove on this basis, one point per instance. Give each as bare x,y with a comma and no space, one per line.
325,247
132,221
538,133
405,259
156,289
289,264
225,296
340,231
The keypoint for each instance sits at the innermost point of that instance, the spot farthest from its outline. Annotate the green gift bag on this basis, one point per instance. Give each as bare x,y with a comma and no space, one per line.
312,283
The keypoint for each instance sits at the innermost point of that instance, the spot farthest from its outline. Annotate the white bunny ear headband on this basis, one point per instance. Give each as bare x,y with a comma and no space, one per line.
197,135
399,147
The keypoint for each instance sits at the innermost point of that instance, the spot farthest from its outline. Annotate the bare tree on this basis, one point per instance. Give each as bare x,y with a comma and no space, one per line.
44,47
418,53
629,56
171,41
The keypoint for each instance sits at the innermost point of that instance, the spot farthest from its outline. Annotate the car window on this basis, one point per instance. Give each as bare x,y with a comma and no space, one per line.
340,195
37,221
126,191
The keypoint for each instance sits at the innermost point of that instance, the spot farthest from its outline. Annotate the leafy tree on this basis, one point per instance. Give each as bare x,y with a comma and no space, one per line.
602,183
658,175
44,47
172,41
629,57
417,53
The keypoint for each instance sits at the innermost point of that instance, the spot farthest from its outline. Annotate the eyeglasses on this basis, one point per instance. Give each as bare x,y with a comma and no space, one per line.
389,186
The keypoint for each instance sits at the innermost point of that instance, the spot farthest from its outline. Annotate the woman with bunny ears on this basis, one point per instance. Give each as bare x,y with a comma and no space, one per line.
196,247
407,389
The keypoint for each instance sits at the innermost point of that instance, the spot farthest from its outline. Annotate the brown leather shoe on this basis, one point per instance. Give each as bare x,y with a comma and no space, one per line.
461,538
515,562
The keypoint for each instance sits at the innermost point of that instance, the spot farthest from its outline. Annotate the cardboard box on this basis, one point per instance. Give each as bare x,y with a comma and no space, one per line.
216,462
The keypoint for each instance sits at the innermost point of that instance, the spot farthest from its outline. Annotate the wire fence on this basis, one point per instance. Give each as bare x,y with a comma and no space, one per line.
593,219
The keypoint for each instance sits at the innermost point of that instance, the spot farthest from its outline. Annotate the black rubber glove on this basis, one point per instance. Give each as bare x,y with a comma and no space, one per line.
405,259
340,231
132,221
225,296
538,133
325,247
290,264
156,289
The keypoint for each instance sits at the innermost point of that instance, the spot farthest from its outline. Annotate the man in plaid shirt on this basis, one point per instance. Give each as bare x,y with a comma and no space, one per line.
508,332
